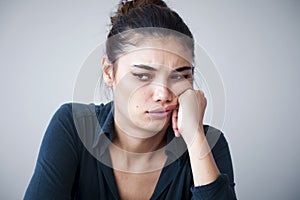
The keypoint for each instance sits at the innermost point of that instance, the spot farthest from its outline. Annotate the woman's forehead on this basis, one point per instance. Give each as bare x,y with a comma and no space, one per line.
155,57
169,44
165,50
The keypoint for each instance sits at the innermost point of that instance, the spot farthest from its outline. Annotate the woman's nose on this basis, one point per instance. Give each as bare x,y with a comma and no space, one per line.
162,93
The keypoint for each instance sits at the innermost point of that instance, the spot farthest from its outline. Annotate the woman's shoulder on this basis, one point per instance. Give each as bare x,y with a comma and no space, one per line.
215,137
78,118
80,110
79,123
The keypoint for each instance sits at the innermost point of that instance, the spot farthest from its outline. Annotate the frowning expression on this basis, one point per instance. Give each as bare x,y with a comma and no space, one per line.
147,83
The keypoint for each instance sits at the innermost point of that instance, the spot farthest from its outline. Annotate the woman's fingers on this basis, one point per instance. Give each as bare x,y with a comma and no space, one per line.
191,108
175,122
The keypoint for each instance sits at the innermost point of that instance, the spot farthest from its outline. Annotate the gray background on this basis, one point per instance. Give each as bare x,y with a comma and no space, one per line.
254,44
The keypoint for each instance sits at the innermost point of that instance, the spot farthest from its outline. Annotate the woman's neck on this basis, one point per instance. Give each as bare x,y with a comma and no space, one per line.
132,154
132,144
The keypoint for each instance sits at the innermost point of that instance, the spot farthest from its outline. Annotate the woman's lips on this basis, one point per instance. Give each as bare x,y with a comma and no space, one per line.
159,115
161,112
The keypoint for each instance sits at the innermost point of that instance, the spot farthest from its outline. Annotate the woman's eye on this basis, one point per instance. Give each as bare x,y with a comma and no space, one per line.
143,77
179,77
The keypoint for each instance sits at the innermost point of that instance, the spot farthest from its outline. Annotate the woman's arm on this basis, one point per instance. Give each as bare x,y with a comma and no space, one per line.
210,169
217,184
58,159
203,165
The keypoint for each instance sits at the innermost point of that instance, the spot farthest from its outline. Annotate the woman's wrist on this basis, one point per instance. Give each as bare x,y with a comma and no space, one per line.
203,164
198,143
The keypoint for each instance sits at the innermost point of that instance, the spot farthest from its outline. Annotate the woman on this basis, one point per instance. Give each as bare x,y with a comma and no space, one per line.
149,142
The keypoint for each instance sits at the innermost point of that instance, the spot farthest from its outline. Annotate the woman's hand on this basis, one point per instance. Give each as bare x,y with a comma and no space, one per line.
189,116
187,122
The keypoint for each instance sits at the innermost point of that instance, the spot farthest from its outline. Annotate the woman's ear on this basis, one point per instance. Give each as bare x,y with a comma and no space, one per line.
107,68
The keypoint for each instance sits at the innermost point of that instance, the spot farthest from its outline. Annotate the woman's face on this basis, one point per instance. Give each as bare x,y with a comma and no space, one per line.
147,82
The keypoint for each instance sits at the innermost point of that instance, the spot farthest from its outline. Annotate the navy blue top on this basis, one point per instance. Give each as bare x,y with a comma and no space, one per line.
73,162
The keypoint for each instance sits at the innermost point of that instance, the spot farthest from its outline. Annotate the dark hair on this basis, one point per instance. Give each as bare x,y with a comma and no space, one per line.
154,16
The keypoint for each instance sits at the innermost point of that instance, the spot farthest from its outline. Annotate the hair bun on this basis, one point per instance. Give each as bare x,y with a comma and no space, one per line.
125,6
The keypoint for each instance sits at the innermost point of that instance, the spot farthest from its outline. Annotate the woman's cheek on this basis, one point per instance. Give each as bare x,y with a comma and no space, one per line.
181,86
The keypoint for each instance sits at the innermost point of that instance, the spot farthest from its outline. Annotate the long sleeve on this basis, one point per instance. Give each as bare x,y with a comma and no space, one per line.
223,187
58,159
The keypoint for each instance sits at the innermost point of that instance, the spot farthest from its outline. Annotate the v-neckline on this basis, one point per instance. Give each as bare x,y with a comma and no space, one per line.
165,177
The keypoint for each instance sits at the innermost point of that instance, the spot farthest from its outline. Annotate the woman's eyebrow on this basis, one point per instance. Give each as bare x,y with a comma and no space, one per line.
180,69
145,67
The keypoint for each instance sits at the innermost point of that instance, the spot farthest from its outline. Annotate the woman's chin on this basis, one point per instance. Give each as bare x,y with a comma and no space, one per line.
154,127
